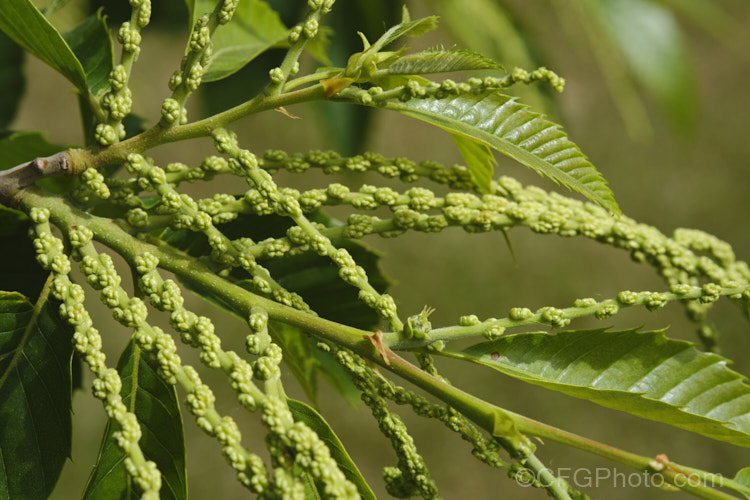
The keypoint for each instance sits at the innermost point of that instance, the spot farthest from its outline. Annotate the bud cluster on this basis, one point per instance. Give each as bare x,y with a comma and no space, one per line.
107,384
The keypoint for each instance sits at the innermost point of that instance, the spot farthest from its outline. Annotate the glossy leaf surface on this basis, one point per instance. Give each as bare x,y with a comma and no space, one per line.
154,403
501,123
316,422
642,373
23,22
35,397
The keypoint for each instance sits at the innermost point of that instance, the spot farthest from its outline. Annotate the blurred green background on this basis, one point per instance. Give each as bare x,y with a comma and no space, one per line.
671,163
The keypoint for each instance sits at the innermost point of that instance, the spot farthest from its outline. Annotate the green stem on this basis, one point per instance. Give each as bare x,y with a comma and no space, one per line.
109,233
485,415
158,135
546,479
395,340
313,77
505,425
292,55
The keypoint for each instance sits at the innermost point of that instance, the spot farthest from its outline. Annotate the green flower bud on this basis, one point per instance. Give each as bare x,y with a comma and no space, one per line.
39,215
628,297
118,77
175,80
105,135
144,14
337,191
129,38
137,217
294,34
227,11
583,303
276,75
172,113
310,28
606,311
520,314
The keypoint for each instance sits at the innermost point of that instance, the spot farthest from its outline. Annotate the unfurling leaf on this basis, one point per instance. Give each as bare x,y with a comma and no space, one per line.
441,61
405,27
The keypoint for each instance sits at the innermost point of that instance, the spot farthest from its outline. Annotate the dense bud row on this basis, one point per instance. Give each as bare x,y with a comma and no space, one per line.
410,477
117,102
268,196
87,341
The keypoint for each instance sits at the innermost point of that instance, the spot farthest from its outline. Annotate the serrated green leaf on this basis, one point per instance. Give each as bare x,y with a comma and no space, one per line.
254,29
303,413
91,42
643,373
23,22
154,403
441,61
12,81
406,27
35,396
501,123
479,160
